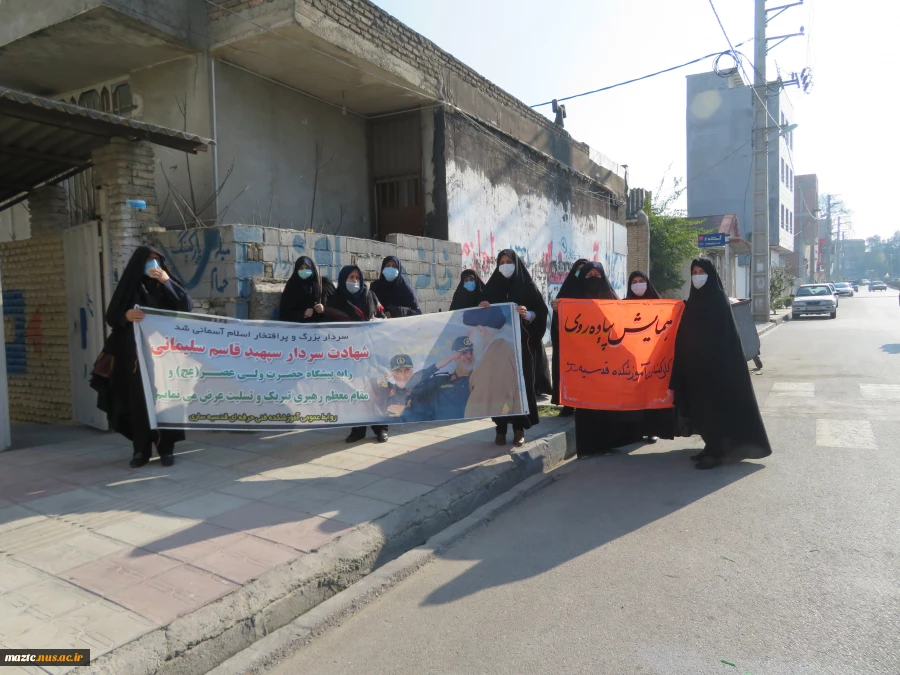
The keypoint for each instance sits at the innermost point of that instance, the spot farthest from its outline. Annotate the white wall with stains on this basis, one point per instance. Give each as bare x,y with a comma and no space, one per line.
486,217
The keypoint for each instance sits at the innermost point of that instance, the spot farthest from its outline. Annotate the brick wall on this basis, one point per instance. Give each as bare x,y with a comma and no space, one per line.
35,330
639,243
126,171
238,270
378,27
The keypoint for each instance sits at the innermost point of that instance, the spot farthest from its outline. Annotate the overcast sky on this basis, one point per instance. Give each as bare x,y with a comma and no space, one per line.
539,50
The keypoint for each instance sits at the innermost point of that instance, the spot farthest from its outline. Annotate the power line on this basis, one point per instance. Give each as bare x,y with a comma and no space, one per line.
636,79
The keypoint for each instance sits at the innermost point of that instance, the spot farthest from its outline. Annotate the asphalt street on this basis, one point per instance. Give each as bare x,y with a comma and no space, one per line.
637,563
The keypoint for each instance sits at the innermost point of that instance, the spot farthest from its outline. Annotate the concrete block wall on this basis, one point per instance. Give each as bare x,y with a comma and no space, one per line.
238,270
35,330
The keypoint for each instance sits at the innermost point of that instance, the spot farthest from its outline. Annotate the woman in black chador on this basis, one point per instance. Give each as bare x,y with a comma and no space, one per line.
710,378
145,282
393,290
655,423
567,290
306,294
597,432
469,293
511,282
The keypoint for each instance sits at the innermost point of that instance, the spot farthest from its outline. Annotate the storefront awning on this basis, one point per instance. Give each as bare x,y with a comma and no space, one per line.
43,141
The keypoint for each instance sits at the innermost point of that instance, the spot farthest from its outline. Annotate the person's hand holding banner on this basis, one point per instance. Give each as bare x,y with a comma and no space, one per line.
617,355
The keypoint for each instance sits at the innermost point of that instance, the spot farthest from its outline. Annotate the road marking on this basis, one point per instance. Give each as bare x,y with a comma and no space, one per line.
880,392
805,389
845,434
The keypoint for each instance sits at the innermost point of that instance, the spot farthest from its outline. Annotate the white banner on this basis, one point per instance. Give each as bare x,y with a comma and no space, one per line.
209,372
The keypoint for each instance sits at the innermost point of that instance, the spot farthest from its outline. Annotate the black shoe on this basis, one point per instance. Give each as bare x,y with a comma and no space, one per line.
139,459
700,455
652,439
566,411
708,463
356,436
500,439
383,436
167,460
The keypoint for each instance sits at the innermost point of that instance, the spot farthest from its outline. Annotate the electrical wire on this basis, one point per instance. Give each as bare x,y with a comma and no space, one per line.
635,79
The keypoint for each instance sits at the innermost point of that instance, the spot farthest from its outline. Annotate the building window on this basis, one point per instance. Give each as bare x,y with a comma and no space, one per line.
122,102
90,99
792,221
782,170
782,215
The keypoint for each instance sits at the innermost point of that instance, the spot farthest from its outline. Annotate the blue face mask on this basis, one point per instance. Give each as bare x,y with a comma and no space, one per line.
151,265
390,273
304,274
469,285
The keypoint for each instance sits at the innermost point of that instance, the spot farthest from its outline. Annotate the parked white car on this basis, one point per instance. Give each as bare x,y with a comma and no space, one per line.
814,299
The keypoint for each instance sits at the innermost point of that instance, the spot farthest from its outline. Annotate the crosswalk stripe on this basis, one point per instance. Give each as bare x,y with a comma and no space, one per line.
845,434
880,392
804,389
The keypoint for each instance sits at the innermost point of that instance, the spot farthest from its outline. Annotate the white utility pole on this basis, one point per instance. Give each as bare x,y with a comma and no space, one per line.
760,259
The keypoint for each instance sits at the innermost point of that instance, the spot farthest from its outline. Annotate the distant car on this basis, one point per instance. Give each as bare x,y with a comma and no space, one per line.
814,299
855,286
877,286
843,288
833,291
865,282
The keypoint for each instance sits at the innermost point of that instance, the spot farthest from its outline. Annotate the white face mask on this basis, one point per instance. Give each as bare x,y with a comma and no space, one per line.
699,279
507,269
638,288
353,286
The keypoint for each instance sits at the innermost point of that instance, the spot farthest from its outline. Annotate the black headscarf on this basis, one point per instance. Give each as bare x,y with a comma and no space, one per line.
463,299
360,306
135,288
121,396
651,292
397,296
521,290
300,295
710,377
567,290
595,288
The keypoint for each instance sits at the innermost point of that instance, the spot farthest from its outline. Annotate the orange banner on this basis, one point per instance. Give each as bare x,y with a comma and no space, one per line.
617,354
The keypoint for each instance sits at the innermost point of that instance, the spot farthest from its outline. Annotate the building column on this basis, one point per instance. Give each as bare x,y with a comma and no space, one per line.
49,206
639,243
124,170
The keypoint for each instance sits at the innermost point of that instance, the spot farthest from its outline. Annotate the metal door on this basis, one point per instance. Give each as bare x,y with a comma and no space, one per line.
396,156
84,301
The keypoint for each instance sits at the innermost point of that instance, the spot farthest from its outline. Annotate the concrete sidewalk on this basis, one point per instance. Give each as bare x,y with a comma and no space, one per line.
164,570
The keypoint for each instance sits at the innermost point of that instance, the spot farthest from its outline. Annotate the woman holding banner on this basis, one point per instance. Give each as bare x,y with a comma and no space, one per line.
470,292
394,292
657,422
597,432
511,282
353,301
567,290
306,294
145,282
710,379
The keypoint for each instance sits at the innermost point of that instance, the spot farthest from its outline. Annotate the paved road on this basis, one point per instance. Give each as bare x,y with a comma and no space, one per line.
637,563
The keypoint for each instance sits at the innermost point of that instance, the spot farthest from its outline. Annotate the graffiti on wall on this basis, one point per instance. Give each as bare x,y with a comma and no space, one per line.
14,329
199,252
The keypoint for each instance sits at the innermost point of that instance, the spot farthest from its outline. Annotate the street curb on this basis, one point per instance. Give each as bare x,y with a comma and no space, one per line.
198,642
773,324
273,648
